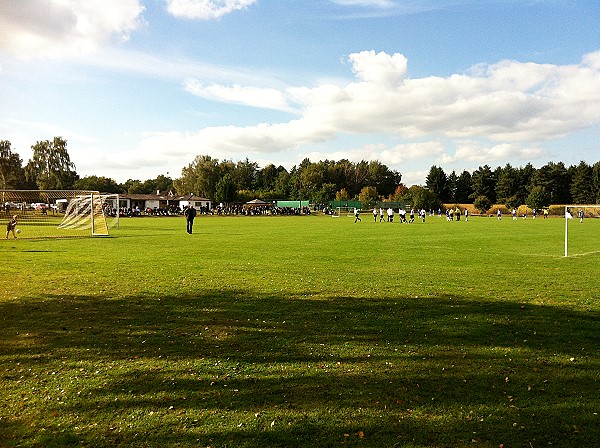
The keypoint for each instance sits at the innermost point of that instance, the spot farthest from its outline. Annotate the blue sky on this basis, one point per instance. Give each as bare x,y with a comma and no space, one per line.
139,88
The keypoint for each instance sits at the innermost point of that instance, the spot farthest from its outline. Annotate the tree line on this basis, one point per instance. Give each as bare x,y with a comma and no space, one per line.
50,168
553,183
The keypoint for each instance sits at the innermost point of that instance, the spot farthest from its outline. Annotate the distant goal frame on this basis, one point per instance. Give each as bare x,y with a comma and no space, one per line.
569,216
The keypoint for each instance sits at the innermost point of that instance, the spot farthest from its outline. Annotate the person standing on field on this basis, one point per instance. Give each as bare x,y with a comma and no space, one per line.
10,227
190,214
375,214
357,215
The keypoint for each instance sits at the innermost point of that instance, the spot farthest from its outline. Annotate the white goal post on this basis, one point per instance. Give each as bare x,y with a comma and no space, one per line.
58,213
348,211
578,212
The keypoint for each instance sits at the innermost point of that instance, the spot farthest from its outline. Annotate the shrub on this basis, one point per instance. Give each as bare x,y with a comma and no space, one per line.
483,204
494,209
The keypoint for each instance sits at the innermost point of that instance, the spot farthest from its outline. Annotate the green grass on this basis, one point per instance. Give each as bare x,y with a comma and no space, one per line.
303,332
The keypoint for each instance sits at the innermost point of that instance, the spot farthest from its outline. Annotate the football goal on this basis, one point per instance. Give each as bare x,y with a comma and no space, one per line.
343,211
578,213
58,213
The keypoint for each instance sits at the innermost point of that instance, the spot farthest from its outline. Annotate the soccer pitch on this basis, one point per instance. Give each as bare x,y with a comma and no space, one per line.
303,331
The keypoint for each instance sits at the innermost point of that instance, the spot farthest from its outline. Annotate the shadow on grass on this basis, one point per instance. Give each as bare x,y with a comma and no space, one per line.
236,368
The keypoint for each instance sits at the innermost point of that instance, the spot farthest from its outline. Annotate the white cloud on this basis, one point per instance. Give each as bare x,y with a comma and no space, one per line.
381,68
490,113
505,102
393,156
249,96
205,9
478,152
59,28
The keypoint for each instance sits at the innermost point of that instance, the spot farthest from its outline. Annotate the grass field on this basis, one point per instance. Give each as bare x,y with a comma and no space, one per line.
303,332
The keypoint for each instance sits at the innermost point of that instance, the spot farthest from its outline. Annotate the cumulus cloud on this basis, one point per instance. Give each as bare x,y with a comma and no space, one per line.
57,28
379,68
205,9
246,95
503,111
391,156
506,102
478,152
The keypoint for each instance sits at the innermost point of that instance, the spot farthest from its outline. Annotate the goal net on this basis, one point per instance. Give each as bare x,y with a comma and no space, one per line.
343,211
578,238
57,213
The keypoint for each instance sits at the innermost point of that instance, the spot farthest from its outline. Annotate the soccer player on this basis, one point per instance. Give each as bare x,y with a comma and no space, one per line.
357,215
10,227
375,214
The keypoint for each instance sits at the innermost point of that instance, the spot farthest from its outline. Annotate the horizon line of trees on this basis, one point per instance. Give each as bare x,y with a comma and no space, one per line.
50,168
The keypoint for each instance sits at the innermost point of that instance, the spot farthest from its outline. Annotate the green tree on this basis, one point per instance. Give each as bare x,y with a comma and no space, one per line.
12,174
50,166
325,194
368,196
282,185
225,190
342,195
596,182
200,177
382,178
423,198
482,204
452,187
245,195
464,190
312,178
537,198
245,174
483,183
437,182
507,186
163,183
266,177
581,184
555,179
95,183
526,174
135,187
